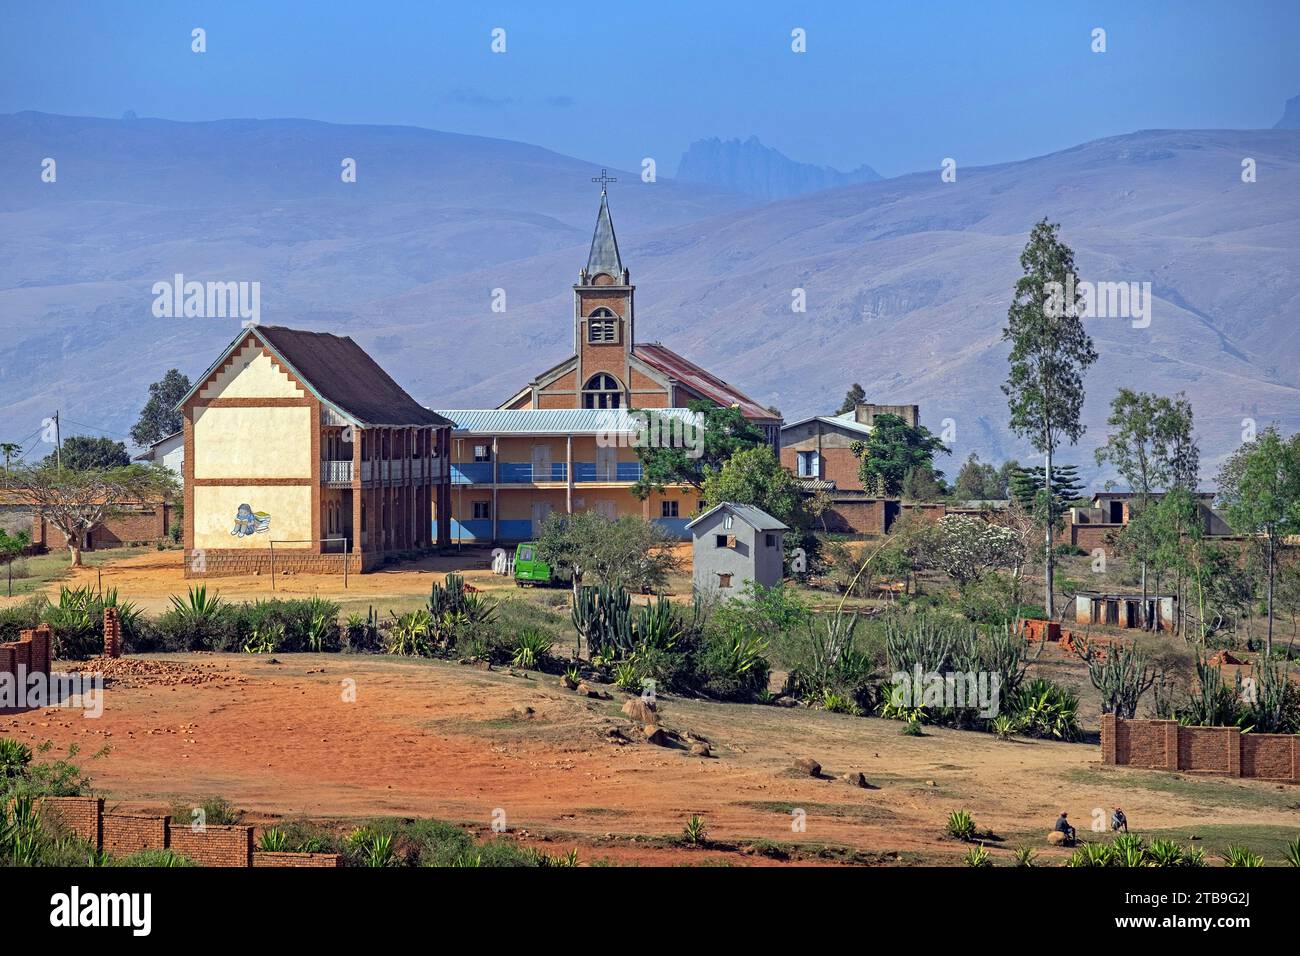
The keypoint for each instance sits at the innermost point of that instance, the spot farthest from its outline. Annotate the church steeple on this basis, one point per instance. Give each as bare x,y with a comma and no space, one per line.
604,255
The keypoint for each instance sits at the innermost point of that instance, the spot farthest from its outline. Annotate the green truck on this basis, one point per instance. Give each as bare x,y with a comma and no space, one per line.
530,569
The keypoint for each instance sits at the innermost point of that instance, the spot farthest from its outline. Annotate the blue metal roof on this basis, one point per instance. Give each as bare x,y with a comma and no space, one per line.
560,421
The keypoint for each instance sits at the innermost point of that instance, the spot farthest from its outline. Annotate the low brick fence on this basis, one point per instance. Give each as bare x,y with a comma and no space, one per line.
1167,745
125,833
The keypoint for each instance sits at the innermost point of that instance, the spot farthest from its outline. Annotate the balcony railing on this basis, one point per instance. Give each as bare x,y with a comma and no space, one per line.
339,473
526,473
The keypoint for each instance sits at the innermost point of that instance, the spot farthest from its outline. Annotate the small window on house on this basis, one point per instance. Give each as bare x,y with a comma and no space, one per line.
719,540
668,509
727,522
809,464
482,509
771,540
724,580
482,452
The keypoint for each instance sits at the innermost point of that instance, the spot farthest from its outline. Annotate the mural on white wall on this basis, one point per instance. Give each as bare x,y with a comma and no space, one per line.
250,522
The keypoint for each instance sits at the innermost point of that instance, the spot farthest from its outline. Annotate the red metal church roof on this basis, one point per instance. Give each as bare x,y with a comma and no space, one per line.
699,380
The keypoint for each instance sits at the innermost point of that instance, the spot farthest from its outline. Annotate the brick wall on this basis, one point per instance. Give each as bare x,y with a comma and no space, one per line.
80,815
124,833
31,652
261,858
217,564
145,524
1166,745
214,845
1093,536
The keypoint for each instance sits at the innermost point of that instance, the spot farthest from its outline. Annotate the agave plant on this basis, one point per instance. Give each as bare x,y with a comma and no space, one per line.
1194,856
1045,709
1165,853
411,634
978,857
1130,850
627,676
265,639
1025,856
198,607
1005,726
531,648
961,825
274,841
1292,852
835,703
14,758
1241,856
695,832
1092,854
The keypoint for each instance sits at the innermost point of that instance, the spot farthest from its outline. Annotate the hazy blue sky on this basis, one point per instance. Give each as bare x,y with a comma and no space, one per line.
897,85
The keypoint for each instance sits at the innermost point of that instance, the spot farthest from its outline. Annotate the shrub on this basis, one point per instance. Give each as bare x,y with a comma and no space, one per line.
411,634
1045,709
361,634
1241,856
217,811
532,648
695,832
1025,856
961,825
978,857
14,758
1292,853
154,859
1092,854
274,841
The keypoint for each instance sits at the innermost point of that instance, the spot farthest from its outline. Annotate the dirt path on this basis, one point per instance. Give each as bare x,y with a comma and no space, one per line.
430,738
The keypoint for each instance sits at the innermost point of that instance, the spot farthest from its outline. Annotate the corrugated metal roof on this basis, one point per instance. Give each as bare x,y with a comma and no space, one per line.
756,518
698,380
835,421
558,421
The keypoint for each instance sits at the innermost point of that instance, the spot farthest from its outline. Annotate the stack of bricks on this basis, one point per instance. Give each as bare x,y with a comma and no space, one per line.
123,834
112,632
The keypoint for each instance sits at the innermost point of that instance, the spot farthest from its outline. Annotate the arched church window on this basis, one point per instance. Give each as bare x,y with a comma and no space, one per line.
602,391
602,326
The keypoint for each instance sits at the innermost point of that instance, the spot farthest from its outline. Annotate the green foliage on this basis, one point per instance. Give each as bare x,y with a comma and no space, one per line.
78,620
892,452
602,616
531,649
1241,856
977,481
155,859
978,857
160,416
1292,853
852,397
726,431
1024,856
754,476
695,832
361,634
1045,709
626,553
1092,854
411,634
961,825
274,841
85,453
1122,675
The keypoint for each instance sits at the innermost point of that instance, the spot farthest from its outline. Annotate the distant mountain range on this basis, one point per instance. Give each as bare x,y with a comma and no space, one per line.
1290,116
907,280
760,171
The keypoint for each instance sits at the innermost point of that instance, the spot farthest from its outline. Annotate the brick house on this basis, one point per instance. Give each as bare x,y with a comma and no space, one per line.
301,453
1096,527
542,449
818,451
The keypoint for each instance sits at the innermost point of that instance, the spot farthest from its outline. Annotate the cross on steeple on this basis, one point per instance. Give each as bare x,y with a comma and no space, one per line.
604,179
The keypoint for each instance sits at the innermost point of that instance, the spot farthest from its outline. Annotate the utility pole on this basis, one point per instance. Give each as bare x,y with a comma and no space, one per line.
58,442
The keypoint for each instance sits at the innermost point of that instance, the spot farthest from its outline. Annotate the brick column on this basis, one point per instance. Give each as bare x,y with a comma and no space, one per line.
1108,730
1171,744
112,632
1232,737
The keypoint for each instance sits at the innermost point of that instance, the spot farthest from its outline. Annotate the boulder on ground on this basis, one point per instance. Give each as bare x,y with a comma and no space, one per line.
855,779
809,766
640,710
568,683
700,749
654,734
586,690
